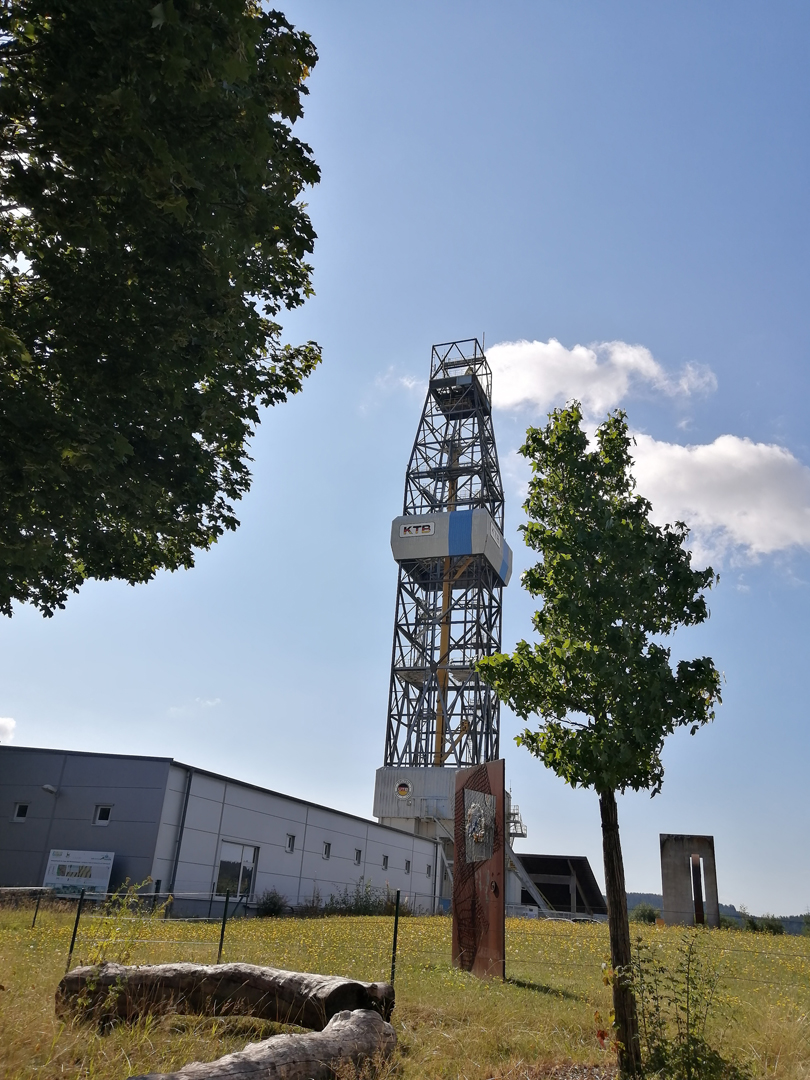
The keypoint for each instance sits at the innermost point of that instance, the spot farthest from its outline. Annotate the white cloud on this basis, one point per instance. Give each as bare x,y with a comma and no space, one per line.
391,381
543,374
7,726
194,707
739,497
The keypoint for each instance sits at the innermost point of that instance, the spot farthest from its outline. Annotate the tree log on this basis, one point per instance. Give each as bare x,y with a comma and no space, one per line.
115,992
348,1037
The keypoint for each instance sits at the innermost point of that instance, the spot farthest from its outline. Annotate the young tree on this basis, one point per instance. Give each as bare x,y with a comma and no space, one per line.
150,231
602,686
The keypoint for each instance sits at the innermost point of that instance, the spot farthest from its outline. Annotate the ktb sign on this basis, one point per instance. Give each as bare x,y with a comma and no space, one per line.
425,528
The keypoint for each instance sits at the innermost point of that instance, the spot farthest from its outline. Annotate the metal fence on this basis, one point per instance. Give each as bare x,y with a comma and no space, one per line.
130,919
155,927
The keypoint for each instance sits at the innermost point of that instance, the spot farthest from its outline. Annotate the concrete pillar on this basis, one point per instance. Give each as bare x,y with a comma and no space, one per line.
677,852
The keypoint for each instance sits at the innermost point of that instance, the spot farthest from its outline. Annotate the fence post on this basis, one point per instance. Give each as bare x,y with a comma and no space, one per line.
75,928
156,893
222,930
36,909
394,946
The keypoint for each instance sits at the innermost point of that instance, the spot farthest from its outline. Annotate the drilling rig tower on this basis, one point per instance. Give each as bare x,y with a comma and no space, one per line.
453,564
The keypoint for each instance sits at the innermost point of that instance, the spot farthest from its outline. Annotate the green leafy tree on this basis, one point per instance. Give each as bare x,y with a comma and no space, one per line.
599,679
644,913
151,230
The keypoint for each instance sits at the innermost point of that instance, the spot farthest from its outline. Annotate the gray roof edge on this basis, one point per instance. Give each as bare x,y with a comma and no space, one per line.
227,779
84,753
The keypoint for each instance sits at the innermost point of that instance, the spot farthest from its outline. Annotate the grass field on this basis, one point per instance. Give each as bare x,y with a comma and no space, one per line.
448,1024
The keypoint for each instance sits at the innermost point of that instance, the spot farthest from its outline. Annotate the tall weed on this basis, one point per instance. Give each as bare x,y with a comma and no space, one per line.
121,922
675,1003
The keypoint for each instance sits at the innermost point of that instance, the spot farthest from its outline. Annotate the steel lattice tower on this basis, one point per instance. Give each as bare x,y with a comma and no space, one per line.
453,564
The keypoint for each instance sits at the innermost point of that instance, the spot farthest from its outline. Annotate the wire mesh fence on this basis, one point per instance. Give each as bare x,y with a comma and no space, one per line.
140,927
137,925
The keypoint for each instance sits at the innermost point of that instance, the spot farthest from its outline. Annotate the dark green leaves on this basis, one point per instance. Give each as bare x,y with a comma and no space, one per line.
611,583
151,231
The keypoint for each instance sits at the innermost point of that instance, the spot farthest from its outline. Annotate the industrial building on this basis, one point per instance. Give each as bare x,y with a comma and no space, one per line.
194,832
566,883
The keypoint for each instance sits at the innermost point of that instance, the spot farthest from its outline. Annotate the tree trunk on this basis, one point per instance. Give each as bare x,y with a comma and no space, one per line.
624,1002
348,1038
115,992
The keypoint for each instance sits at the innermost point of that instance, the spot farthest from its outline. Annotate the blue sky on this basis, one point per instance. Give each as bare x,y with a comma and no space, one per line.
623,187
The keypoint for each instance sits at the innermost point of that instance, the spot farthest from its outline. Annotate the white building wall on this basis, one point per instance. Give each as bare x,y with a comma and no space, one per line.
221,811
169,827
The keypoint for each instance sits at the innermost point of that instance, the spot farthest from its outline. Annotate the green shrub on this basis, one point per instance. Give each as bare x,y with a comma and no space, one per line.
364,900
271,904
763,924
644,913
312,908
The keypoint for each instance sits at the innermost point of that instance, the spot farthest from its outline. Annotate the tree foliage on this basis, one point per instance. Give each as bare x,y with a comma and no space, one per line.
599,679
612,584
151,230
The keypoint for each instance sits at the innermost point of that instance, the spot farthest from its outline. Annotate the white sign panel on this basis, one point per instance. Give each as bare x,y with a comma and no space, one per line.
68,872
425,528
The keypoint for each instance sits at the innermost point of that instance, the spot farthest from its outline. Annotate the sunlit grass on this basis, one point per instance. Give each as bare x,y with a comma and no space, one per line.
449,1024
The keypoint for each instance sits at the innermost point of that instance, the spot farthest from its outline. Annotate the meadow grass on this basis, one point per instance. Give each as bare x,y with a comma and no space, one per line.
448,1023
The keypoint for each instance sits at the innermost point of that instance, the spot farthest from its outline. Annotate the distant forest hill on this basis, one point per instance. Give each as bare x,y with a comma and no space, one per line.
793,924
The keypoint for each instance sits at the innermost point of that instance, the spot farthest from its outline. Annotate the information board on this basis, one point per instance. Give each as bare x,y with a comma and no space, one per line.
68,872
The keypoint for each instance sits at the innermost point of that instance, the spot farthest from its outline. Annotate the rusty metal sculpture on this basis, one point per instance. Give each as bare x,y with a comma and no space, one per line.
479,873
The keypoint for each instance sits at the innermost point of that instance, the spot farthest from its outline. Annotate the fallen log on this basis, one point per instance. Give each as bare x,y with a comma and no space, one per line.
349,1037
113,992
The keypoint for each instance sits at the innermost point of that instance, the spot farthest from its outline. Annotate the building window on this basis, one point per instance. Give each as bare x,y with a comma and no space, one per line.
290,842
407,866
358,856
20,811
237,863
327,849
428,870
101,815
385,862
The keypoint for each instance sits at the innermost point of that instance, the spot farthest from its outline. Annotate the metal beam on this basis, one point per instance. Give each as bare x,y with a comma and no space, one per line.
529,885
